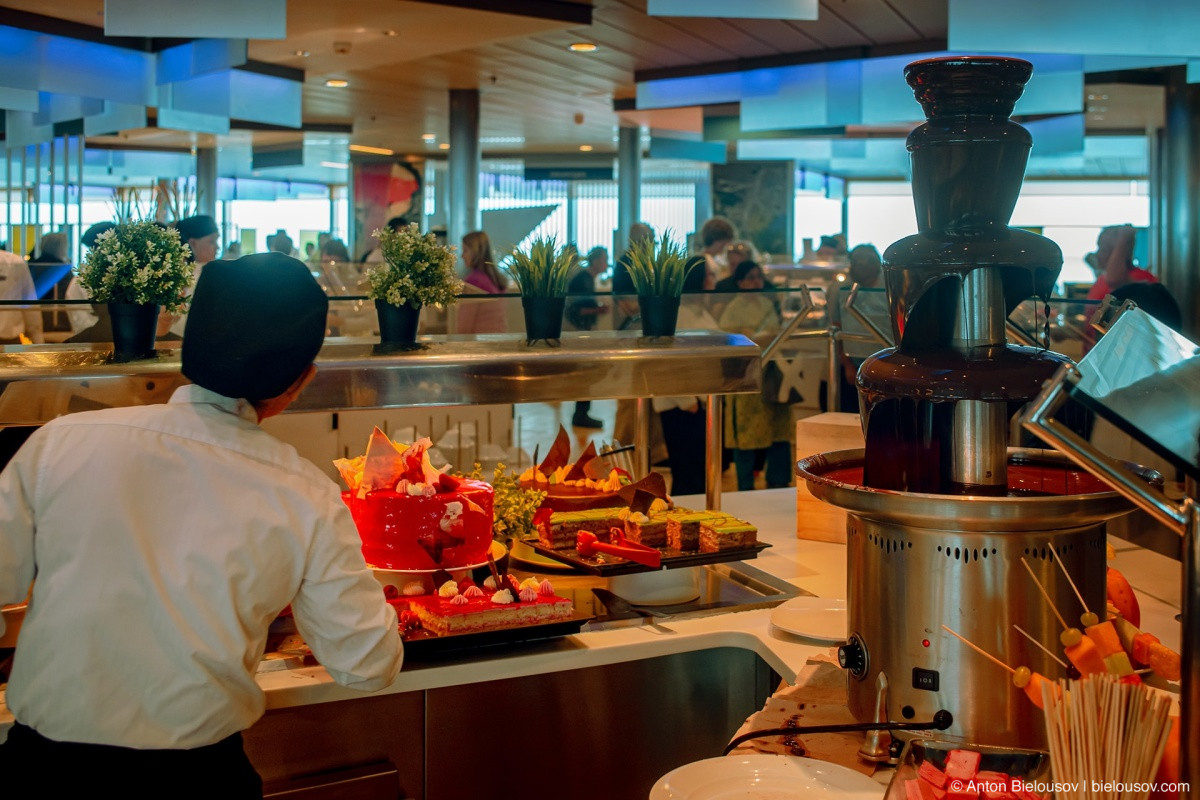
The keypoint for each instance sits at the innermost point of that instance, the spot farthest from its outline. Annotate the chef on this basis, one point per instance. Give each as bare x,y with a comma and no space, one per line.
164,540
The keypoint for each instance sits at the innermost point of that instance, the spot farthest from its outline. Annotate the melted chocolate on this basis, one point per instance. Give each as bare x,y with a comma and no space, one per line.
968,163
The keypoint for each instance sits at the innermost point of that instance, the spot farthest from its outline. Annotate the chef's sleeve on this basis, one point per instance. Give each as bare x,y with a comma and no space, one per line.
17,485
341,612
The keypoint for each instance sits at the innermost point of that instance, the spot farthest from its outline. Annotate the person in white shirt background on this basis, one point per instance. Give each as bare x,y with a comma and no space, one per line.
16,283
164,540
200,233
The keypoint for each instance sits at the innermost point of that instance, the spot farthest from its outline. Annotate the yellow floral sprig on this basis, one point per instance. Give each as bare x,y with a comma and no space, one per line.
513,507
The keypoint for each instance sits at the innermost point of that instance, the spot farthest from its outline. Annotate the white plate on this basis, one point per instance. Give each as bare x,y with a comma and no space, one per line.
819,618
764,777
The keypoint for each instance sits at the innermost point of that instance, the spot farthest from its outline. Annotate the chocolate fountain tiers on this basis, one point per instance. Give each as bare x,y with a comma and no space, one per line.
936,406
941,512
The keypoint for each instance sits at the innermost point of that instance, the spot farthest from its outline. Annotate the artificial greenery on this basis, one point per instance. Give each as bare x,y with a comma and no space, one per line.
417,270
544,270
660,269
138,262
512,506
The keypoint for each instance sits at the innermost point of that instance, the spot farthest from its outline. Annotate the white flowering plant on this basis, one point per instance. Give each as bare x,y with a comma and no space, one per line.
418,270
138,262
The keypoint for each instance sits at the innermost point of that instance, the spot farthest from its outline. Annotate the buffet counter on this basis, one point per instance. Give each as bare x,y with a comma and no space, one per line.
674,690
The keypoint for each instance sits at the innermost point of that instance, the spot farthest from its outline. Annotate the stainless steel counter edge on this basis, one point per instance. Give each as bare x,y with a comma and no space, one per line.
40,382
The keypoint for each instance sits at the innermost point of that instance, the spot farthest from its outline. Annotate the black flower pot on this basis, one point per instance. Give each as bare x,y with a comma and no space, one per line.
397,327
134,329
659,314
543,318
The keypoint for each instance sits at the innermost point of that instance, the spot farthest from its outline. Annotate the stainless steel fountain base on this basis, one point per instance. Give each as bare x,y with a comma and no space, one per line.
916,562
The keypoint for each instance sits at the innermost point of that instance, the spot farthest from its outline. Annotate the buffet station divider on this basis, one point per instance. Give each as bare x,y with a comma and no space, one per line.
41,382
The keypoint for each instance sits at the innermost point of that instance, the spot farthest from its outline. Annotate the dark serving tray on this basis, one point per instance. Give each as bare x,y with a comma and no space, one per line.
606,565
422,644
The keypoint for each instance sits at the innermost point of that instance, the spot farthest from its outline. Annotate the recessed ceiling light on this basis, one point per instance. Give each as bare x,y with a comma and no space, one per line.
337,83
335,164
302,53
582,47
428,137
389,32
379,151
444,146
585,147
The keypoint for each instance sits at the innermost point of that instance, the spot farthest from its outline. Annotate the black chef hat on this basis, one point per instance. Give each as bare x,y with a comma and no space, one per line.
254,326
196,227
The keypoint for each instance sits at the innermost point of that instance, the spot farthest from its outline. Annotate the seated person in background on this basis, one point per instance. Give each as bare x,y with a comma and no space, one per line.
716,234
334,250
866,266
1114,256
280,243
483,277
49,268
866,271
158,576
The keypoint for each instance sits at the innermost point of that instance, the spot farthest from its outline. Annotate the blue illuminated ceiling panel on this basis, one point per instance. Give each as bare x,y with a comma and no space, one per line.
1101,27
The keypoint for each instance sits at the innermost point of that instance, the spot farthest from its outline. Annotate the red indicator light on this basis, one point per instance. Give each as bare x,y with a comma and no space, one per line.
924,643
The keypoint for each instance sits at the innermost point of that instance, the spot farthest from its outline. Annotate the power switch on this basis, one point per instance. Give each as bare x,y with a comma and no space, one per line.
926,679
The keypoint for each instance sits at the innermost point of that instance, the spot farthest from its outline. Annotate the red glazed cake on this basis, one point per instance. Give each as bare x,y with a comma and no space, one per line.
409,515
445,530
477,609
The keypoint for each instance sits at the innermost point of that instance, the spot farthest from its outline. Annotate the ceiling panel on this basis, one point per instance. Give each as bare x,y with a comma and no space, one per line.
530,85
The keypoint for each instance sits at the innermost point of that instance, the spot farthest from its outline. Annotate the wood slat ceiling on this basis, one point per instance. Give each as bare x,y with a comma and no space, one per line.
531,85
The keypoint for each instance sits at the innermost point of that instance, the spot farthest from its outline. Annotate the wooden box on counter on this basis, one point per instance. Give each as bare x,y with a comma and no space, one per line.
822,433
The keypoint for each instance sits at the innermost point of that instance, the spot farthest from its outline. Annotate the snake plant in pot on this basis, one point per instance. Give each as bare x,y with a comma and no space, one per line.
542,273
658,271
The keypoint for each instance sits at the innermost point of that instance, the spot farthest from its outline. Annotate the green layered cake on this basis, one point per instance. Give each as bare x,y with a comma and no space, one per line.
683,527
726,534
560,531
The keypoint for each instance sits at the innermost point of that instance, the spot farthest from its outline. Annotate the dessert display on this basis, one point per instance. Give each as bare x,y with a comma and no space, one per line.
727,533
411,516
559,529
464,607
606,538
585,484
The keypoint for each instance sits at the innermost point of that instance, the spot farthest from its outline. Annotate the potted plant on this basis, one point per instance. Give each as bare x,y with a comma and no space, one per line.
658,272
417,271
542,273
136,268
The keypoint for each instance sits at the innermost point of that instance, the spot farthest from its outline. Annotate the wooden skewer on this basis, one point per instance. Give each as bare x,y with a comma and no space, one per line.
1045,594
1041,646
979,650
1067,575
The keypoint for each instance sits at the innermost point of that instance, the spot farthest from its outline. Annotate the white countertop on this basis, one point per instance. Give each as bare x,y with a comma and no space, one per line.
816,567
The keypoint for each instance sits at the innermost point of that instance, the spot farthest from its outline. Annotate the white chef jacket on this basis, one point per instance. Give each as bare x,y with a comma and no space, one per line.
16,283
165,539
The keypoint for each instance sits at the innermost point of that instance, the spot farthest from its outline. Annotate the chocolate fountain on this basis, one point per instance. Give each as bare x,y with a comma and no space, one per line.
941,510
